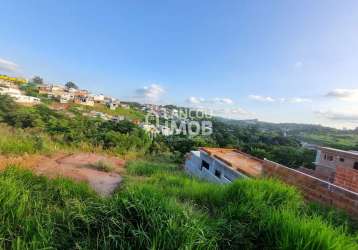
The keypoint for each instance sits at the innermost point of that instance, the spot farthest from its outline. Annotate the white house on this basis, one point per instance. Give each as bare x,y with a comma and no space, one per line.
18,96
67,97
166,131
9,91
26,99
149,128
98,98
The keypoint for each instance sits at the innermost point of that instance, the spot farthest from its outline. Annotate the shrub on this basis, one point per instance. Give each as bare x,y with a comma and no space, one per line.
103,166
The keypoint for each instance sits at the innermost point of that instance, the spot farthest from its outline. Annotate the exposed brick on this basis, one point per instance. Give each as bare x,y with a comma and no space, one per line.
317,190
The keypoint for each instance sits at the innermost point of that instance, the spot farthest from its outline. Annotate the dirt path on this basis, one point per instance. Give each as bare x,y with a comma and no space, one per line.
79,167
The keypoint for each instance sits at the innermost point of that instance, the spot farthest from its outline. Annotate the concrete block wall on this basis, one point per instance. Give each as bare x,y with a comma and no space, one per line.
347,178
313,188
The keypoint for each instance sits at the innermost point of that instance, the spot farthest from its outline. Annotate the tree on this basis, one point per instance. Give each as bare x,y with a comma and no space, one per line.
37,80
7,106
71,85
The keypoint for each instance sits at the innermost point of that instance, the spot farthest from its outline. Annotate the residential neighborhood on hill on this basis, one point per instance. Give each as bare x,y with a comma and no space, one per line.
189,125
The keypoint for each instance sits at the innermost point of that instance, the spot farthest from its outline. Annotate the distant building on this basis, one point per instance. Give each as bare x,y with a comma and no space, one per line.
10,91
113,104
66,97
330,163
84,100
44,89
98,98
10,81
222,165
166,131
24,99
117,118
226,165
55,91
125,106
150,128
18,96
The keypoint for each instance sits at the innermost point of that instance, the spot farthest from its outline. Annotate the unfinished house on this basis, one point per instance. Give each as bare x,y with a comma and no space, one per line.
227,165
337,166
222,165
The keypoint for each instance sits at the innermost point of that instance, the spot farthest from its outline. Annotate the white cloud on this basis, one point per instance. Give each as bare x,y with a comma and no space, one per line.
298,64
223,100
281,99
349,115
150,93
8,65
262,98
232,112
299,100
195,100
216,100
344,94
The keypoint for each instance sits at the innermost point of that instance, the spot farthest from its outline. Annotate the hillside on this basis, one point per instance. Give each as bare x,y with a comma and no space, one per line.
156,206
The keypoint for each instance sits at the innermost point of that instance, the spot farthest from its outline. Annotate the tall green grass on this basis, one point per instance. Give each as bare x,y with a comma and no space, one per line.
255,214
165,210
14,141
37,213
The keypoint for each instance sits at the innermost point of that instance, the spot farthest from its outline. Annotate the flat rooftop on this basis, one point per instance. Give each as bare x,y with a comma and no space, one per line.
241,162
349,153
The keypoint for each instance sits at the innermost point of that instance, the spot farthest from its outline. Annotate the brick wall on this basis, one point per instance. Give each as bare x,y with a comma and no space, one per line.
347,178
313,188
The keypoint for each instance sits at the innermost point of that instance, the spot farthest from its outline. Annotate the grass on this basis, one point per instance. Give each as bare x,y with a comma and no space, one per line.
161,208
345,141
37,213
14,141
17,141
128,113
145,168
255,214
103,166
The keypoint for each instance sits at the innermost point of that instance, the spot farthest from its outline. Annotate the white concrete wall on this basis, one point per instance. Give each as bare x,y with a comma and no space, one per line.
193,167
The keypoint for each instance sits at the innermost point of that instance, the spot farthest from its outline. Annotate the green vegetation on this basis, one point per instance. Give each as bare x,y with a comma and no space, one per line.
346,140
36,213
16,141
102,166
120,111
74,131
272,145
251,214
160,207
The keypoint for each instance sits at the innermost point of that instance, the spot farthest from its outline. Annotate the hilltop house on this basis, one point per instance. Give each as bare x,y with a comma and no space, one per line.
18,97
24,99
55,91
164,130
98,98
149,128
66,97
112,103
8,81
337,166
10,91
84,100
117,118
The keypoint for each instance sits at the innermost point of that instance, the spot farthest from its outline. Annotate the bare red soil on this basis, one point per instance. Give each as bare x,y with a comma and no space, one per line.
79,167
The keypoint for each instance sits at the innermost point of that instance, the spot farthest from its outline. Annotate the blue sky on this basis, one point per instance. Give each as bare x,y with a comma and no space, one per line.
278,61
